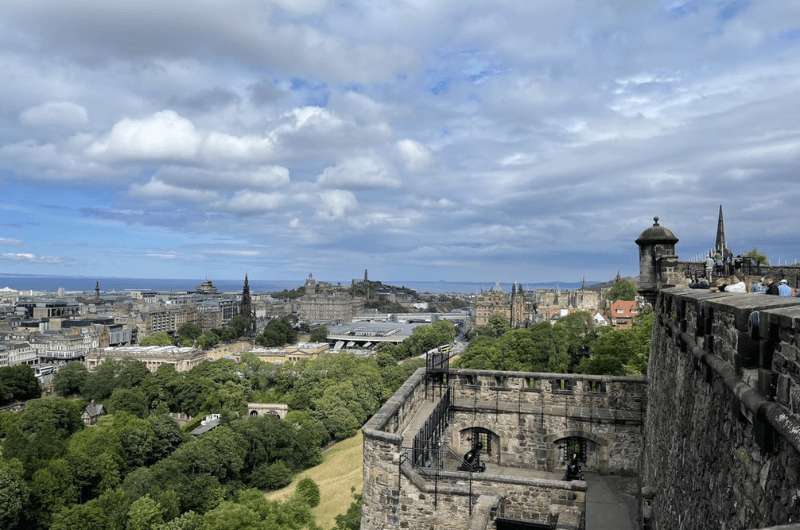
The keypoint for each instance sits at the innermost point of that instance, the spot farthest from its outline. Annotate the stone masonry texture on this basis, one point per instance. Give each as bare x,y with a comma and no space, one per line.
722,429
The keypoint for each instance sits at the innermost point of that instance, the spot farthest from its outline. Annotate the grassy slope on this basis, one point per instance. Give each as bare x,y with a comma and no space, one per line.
341,469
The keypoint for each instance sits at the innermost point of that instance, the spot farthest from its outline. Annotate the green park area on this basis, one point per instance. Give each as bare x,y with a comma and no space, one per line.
339,474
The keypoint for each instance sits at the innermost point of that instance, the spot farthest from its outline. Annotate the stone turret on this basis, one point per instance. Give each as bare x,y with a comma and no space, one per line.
657,260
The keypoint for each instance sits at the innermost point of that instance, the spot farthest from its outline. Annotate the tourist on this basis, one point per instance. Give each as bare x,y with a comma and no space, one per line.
772,287
784,289
709,266
735,285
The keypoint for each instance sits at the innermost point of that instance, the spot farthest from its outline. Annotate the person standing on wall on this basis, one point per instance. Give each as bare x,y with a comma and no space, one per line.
772,287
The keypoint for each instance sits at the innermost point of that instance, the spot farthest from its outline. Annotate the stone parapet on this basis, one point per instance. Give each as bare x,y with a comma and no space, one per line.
722,430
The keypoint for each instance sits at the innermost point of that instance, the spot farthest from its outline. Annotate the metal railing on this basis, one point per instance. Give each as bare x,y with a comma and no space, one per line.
428,440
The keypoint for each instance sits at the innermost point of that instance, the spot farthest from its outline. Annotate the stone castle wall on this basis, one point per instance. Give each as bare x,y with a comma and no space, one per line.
531,412
722,431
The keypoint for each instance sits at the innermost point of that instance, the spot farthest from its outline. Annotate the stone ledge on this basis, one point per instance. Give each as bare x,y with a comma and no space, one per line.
786,424
738,304
423,482
378,421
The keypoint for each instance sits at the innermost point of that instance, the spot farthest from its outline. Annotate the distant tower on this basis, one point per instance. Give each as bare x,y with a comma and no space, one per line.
97,290
310,285
246,307
720,245
657,260
366,276
366,284
518,319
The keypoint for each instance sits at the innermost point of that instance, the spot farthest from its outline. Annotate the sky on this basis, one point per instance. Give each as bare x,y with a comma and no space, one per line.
423,140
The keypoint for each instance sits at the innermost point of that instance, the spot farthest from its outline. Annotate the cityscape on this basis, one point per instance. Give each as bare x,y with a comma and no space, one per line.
314,265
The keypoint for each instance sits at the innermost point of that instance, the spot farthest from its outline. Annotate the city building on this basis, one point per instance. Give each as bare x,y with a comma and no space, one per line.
322,303
41,308
206,288
182,358
516,308
621,313
369,335
290,353
491,303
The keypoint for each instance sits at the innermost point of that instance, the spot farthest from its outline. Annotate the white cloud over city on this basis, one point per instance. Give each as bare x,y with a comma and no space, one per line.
424,140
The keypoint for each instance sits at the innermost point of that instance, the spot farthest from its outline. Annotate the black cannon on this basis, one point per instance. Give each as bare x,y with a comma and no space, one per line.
472,460
574,469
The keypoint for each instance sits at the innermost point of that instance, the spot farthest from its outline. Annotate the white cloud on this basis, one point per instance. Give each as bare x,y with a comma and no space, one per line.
247,201
155,189
415,155
335,204
243,253
247,177
10,241
163,136
30,258
242,148
168,255
358,173
63,114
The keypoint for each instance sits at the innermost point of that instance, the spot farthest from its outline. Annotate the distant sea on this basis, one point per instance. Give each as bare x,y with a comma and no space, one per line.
76,283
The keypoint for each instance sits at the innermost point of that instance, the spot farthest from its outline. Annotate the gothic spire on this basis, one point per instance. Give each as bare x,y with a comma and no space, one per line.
720,244
246,306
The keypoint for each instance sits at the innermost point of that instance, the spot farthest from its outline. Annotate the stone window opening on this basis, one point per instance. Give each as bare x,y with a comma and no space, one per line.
572,446
470,380
598,387
563,385
533,384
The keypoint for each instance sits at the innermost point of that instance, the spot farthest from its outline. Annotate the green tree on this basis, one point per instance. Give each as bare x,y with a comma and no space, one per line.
308,490
757,256
601,365
88,516
13,493
230,516
41,431
52,488
18,383
190,331
271,476
622,289
113,374
239,326
497,326
186,521
69,380
130,400
161,338
208,340
277,332
319,334
144,514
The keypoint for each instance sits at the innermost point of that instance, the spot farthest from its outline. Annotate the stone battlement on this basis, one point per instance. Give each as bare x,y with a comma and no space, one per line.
723,421
525,420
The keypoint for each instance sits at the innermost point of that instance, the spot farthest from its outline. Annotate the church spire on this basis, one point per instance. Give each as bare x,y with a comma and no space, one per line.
246,307
720,245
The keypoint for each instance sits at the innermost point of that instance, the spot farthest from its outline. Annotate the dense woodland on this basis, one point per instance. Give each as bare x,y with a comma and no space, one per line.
136,469
572,345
